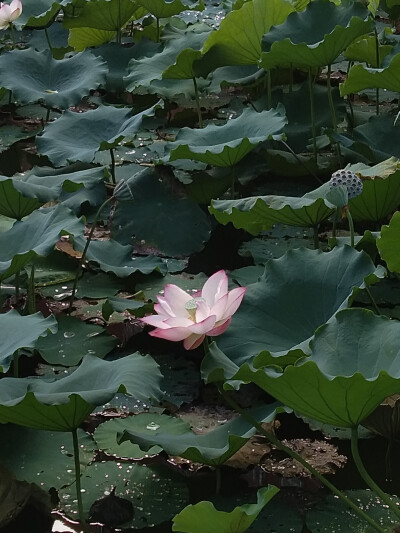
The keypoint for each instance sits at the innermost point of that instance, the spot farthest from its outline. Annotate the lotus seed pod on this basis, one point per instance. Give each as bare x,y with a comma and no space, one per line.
348,178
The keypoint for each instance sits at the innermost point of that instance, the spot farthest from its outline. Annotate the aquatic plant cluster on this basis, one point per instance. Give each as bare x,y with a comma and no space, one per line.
197,197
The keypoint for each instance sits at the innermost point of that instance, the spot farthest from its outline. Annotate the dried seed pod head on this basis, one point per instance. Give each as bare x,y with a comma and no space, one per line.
348,178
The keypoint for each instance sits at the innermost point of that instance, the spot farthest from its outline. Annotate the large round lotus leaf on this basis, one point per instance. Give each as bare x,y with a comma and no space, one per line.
43,457
63,404
316,36
258,213
156,492
353,366
178,225
381,134
13,204
297,293
118,57
82,38
117,258
109,15
21,332
213,448
361,77
331,514
380,197
226,145
389,243
205,517
37,14
143,71
73,340
238,39
184,65
36,235
106,434
365,51
78,136
47,184
34,76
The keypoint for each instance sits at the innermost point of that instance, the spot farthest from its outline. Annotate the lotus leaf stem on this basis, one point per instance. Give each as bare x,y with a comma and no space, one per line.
315,235
17,282
378,61
276,442
312,114
112,166
197,98
367,478
12,35
30,306
81,514
374,304
83,256
48,39
351,225
157,30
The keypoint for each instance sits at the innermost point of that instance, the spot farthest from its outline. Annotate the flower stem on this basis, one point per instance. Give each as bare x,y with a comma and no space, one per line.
351,225
367,478
83,256
276,442
112,166
197,98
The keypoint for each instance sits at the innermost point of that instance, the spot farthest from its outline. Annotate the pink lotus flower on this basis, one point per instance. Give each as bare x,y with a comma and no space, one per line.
189,318
9,12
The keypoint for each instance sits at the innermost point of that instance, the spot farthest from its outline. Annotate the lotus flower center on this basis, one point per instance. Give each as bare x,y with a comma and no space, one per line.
191,307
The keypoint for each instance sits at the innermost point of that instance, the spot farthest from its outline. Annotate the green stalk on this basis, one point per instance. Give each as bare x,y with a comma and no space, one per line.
81,514
30,306
378,61
157,30
48,40
330,98
112,169
335,219
351,225
17,282
367,478
368,291
48,114
82,259
197,98
276,442
312,114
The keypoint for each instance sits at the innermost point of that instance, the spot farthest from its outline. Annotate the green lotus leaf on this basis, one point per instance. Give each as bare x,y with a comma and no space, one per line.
380,196
388,243
167,8
108,15
213,448
74,339
238,39
143,72
12,133
179,226
204,517
35,76
82,38
316,36
156,492
118,57
361,77
365,51
78,136
13,204
297,293
44,458
36,235
380,135
117,258
105,434
38,14
259,213
22,332
63,404
226,145
352,367
48,184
